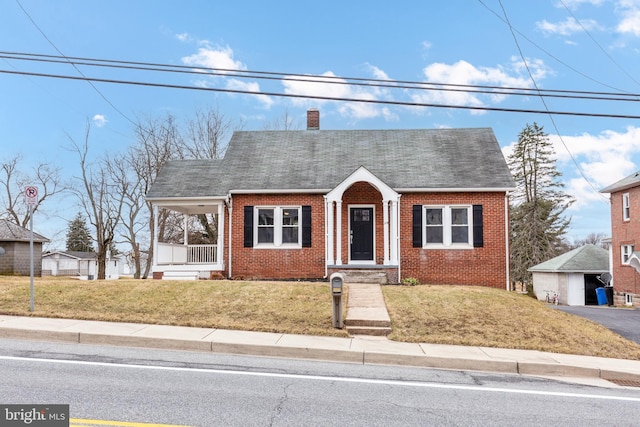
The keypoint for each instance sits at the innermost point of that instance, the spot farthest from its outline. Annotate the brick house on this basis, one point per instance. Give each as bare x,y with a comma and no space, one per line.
16,244
625,238
379,205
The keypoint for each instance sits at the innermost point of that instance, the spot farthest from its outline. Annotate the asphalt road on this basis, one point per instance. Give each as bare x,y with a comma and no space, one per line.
623,321
203,389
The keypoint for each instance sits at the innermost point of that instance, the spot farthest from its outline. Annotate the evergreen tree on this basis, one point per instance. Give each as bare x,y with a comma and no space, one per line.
538,226
78,236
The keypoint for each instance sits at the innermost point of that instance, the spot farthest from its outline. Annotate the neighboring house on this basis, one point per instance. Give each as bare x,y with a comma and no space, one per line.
375,205
625,237
574,275
83,265
16,242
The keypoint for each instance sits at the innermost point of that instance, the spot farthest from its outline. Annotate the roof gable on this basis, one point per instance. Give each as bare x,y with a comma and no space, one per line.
630,181
585,259
10,232
319,160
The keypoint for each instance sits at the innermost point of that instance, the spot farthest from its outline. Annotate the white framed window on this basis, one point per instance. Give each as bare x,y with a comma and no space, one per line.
626,208
625,252
278,226
447,227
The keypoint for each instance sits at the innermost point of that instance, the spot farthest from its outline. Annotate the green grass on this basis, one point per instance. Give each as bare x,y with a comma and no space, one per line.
458,315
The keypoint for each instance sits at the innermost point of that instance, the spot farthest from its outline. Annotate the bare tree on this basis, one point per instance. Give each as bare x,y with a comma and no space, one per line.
101,198
158,141
593,238
286,122
207,135
14,181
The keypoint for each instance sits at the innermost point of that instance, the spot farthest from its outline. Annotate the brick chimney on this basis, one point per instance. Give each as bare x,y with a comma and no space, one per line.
313,119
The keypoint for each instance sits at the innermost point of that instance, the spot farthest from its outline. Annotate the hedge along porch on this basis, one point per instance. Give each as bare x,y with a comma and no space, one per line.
429,204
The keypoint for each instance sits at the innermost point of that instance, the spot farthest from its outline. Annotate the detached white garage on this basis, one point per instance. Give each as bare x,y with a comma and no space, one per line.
574,275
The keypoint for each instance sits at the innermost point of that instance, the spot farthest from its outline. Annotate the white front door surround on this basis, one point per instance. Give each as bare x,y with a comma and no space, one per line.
390,213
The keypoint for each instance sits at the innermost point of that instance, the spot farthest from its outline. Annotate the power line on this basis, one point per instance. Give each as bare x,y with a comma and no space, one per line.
553,122
73,65
352,81
325,98
586,76
598,44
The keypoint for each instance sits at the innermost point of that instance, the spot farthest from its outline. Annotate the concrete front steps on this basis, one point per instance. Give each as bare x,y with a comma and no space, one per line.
364,276
378,328
366,311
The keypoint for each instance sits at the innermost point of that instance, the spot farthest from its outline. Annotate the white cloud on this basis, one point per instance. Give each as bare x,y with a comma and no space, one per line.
630,22
330,86
222,58
462,72
214,57
568,27
99,120
603,159
183,37
246,86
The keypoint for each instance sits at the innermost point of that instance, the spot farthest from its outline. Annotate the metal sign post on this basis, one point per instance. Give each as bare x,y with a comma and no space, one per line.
31,195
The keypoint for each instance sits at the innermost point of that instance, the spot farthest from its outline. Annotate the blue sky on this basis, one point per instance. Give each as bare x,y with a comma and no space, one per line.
574,45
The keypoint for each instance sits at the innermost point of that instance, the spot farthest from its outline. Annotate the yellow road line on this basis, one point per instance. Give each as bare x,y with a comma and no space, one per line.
78,422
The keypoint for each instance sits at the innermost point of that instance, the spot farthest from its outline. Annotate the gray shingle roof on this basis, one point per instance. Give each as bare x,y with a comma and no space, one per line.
318,160
10,232
585,259
632,180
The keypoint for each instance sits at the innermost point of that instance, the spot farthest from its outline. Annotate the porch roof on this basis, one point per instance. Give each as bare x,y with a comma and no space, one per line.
318,160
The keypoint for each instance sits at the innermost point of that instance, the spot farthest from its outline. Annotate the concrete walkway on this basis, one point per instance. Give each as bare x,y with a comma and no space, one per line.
356,349
366,310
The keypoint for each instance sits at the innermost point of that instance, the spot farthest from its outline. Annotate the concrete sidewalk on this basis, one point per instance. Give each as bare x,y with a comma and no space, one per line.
359,349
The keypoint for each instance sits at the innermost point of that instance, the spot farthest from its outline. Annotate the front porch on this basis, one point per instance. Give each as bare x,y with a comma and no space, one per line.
186,260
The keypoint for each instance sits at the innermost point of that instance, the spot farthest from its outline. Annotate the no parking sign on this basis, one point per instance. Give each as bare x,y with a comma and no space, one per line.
31,195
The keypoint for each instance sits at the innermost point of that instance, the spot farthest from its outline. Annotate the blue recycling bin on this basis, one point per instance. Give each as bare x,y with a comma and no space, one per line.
602,296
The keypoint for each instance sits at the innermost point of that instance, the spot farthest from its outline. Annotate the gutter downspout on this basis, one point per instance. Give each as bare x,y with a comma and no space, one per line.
230,210
506,238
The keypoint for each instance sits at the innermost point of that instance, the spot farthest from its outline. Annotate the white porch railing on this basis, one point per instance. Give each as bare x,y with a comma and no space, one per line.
177,254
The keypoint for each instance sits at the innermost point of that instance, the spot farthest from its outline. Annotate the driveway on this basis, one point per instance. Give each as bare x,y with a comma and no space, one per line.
623,321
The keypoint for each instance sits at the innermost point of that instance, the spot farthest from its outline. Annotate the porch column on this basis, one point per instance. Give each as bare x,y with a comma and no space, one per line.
385,227
393,227
328,207
220,242
185,220
339,232
155,237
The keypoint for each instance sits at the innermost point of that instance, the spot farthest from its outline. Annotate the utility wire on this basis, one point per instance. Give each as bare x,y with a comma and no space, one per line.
598,44
586,76
555,126
352,81
326,98
73,65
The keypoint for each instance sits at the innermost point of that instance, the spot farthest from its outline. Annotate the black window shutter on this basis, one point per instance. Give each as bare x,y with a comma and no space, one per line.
478,227
417,226
306,226
248,226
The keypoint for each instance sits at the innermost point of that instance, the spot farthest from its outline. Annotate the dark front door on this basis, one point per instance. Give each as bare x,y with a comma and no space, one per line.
361,223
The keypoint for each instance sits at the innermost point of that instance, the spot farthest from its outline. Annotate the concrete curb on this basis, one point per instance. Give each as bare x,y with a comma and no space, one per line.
360,350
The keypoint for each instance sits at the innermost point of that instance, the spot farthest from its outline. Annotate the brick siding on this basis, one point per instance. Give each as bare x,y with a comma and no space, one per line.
625,278
485,266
